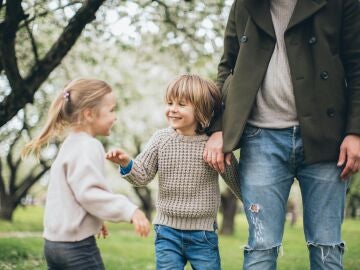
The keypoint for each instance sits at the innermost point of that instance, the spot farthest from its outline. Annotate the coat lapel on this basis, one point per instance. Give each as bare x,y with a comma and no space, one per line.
259,11
304,9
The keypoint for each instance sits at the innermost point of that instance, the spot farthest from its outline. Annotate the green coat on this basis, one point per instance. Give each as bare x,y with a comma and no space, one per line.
323,47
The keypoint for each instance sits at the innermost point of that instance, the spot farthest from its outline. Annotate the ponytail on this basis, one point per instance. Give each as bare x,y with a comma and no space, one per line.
54,126
66,110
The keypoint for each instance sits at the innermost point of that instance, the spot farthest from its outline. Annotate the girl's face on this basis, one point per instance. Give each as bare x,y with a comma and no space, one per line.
181,116
105,116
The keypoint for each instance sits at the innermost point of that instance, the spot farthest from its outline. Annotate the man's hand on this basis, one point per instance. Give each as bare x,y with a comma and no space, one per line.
213,153
349,156
141,223
118,156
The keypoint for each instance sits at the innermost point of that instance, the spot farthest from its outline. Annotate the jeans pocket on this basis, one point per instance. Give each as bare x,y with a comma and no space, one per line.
211,238
157,231
251,132
156,228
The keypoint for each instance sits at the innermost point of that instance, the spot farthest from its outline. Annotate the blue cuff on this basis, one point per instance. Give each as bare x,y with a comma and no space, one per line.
127,169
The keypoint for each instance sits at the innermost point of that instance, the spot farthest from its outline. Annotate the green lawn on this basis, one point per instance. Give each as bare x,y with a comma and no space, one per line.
124,250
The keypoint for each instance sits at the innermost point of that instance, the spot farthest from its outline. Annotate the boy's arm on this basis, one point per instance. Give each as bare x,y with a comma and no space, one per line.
142,170
231,176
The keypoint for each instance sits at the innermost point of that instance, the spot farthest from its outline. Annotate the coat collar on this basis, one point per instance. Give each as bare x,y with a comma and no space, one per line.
304,9
259,11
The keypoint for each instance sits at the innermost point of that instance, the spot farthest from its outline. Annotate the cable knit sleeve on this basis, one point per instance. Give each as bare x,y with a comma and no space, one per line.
86,178
232,178
145,165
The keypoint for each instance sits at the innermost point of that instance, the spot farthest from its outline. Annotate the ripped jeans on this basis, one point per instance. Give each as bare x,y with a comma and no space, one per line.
269,161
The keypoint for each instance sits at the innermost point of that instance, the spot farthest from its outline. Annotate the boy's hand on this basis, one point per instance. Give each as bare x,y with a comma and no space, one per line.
104,232
141,223
118,156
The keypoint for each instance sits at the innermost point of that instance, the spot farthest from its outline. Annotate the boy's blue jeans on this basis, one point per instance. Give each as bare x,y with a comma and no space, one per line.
269,161
173,248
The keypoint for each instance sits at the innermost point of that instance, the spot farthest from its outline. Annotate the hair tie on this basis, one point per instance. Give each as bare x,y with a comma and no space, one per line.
66,96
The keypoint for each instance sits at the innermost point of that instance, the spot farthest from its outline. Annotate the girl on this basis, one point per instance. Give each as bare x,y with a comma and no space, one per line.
189,196
78,199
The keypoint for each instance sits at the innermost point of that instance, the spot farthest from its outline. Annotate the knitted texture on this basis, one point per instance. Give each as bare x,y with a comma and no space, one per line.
275,102
189,195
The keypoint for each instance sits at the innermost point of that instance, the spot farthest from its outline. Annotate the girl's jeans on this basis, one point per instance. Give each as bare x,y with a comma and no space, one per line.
80,255
173,248
269,161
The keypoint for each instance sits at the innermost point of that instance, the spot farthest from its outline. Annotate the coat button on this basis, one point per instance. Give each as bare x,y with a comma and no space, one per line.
324,75
244,39
312,40
223,105
330,112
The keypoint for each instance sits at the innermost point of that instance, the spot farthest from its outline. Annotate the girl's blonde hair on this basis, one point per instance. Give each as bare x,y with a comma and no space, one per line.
202,94
66,110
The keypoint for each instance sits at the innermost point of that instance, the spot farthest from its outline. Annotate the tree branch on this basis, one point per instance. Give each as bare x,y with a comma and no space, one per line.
2,182
23,90
24,187
33,42
8,28
43,14
14,165
172,23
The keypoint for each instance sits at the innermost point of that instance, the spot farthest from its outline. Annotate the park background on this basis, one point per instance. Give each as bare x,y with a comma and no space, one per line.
138,47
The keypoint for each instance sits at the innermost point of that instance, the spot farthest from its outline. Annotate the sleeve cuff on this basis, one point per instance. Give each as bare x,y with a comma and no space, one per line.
131,211
126,170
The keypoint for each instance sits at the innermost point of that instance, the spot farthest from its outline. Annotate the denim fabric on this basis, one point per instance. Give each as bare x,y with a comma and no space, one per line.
174,248
81,255
269,161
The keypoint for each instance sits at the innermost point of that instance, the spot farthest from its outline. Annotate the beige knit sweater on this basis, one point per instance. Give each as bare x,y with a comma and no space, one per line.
78,198
275,103
189,195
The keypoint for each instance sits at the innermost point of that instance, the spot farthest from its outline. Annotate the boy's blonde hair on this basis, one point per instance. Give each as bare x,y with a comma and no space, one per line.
202,94
66,110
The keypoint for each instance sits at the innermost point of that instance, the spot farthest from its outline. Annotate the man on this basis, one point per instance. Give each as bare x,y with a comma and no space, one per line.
290,80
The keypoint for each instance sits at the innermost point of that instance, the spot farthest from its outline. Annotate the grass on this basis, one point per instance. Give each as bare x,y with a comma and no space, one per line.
124,250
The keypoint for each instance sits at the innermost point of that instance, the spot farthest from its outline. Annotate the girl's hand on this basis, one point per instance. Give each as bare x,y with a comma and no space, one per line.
104,232
141,223
118,156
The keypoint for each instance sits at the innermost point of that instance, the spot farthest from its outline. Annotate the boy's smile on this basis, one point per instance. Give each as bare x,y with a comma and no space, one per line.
181,117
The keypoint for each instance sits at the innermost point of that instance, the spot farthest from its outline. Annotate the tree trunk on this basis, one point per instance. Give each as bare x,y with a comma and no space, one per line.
7,208
228,206
352,207
291,209
144,194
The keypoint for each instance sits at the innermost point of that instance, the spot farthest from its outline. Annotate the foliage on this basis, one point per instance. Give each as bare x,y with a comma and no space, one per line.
353,197
127,43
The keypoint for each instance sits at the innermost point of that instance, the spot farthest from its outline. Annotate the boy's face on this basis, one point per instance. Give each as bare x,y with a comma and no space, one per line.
181,116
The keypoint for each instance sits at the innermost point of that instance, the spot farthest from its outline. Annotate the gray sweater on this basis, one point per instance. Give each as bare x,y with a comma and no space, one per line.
189,195
275,103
